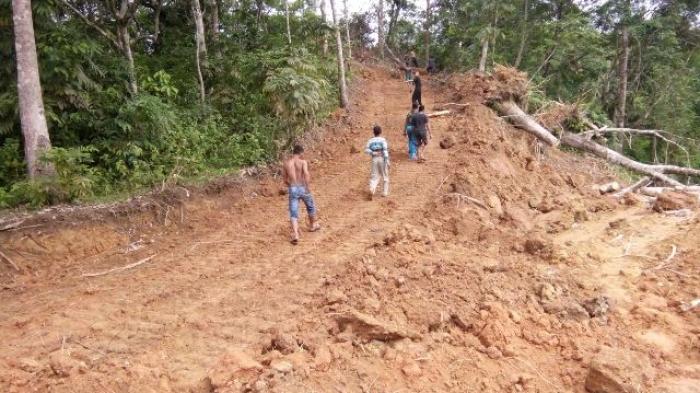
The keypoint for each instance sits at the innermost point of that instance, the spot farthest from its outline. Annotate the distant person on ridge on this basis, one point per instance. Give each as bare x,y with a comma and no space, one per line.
431,66
417,83
298,178
408,73
421,130
409,134
378,149
414,60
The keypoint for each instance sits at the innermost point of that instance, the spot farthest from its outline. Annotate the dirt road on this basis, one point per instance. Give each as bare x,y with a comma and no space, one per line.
227,304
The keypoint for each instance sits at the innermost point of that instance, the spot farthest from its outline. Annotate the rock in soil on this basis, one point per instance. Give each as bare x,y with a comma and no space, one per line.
448,141
323,358
281,366
672,200
234,365
618,371
370,328
412,369
282,342
597,307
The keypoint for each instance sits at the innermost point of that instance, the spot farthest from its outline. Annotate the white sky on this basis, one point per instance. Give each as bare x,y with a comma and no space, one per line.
355,6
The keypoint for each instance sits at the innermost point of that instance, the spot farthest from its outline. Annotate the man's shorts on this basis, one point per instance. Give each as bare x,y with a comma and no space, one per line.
295,194
421,137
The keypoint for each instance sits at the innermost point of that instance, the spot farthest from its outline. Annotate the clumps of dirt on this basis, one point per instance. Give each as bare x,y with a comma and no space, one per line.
409,233
505,83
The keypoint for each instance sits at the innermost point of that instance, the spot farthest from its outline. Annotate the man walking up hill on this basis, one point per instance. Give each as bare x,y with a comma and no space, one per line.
417,89
378,149
298,179
421,130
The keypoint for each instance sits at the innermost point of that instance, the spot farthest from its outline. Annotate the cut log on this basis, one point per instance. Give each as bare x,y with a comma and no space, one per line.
524,121
609,187
439,113
633,187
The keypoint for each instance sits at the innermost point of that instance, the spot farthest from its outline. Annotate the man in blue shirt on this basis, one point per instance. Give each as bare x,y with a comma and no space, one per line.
378,149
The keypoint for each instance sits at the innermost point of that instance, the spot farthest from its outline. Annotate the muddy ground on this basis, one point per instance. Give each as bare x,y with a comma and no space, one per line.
492,267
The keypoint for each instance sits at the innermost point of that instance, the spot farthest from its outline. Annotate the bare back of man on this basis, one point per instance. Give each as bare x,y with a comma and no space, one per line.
297,177
296,172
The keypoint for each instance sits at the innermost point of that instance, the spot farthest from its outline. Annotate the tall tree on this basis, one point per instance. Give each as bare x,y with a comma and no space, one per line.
201,47
31,103
341,60
427,31
212,11
380,28
124,13
325,33
523,34
289,30
622,74
347,28
485,39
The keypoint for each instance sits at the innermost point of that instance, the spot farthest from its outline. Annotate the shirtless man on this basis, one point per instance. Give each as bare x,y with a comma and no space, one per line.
297,178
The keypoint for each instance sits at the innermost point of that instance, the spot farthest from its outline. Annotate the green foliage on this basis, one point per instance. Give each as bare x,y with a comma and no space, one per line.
296,92
74,174
12,165
260,93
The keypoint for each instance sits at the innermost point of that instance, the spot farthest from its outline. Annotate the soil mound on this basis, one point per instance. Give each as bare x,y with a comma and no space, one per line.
503,84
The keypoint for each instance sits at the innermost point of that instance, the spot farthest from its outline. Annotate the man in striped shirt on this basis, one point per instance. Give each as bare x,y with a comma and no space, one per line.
378,149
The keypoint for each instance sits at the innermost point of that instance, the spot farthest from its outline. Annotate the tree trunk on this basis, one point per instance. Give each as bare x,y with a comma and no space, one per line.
341,61
523,36
623,60
201,47
289,30
347,28
31,103
214,22
125,44
380,28
200,37
484,54
325,33
427,32
527,123
393,16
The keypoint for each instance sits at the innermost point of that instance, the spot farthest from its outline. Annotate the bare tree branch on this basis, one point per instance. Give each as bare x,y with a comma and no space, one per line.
109,36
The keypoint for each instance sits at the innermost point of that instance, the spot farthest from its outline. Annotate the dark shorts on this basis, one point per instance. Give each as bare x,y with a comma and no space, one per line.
421,137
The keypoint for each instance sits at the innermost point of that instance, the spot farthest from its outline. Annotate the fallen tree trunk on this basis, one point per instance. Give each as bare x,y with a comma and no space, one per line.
398,62
660,134
521,119
656,191
633,187
610,155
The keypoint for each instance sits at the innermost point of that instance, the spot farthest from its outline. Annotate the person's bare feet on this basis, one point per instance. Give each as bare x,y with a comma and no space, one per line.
315,227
